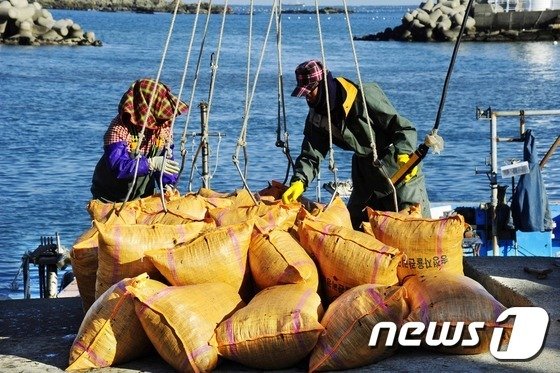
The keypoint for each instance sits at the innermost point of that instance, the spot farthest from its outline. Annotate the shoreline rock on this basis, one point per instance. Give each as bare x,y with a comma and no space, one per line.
138,6
24,23
440,21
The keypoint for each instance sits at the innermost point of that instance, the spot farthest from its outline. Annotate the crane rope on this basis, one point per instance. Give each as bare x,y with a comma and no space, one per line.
150,104
282,136
375,160
241,142
332,164
195,79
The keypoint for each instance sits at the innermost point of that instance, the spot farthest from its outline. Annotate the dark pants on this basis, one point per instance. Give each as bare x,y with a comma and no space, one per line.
371,188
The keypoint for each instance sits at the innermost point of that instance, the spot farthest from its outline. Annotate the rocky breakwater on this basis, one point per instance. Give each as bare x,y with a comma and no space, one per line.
24,23
441,21
431,21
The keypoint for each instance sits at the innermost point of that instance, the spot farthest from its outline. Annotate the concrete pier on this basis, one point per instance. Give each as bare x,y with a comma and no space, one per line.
36,334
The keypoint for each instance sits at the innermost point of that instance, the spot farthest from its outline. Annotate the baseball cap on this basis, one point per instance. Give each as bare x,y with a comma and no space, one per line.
308,76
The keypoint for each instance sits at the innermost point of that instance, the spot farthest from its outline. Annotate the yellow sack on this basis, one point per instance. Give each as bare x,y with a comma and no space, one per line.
152,204
276,258
180,322
278,328
84,256
209,193
180,210
242,198
451,297
273,191
274,214
111,333
217,256
235,215
336,213
348,258
102,211
122,248
428,245
280,216
348,323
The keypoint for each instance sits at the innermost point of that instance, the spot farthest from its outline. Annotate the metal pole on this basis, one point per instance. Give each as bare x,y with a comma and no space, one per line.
318,188
494,181
42,281
204,144
549,153
513,113
52,281
26,292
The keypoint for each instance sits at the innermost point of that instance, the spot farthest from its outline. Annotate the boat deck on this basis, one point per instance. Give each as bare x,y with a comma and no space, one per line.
36,334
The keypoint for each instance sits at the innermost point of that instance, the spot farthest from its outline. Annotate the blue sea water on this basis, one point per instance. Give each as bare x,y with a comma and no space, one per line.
56,103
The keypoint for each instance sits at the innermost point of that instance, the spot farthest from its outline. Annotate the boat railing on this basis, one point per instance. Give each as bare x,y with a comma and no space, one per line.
492,116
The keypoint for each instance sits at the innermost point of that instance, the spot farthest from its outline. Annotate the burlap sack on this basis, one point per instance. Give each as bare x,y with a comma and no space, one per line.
152,204
235,215
348,323
449,297
101,211
180,322
348,258
275,214
83,257
180,210
210,193
111,333
276,258
239,198
84,252
278,328
273,191
336,213
428,245
122,248
217,256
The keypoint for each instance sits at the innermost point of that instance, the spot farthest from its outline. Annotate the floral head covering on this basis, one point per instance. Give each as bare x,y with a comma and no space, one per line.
134,104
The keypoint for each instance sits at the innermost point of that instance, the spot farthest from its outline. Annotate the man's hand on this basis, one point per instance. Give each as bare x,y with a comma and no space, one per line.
169,166
295,190
402,159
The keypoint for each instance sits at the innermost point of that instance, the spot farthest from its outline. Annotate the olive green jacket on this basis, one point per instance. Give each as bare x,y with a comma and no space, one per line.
393,134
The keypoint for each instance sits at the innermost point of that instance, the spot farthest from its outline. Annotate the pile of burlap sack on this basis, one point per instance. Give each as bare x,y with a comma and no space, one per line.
211,276
25,23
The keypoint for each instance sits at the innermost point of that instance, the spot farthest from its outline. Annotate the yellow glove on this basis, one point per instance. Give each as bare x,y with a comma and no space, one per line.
402,159
295,190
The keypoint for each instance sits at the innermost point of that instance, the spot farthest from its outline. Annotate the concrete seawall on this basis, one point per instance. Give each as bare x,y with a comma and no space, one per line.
526,20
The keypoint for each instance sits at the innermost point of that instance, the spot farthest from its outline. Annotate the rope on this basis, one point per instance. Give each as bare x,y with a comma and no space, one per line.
169,141
214,67
216,64
375,160
332,165
152,98
243,133
187,59
248,80
360,82
283,143
195,82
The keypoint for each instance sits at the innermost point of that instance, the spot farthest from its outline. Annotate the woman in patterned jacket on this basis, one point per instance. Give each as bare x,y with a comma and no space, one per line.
144,105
